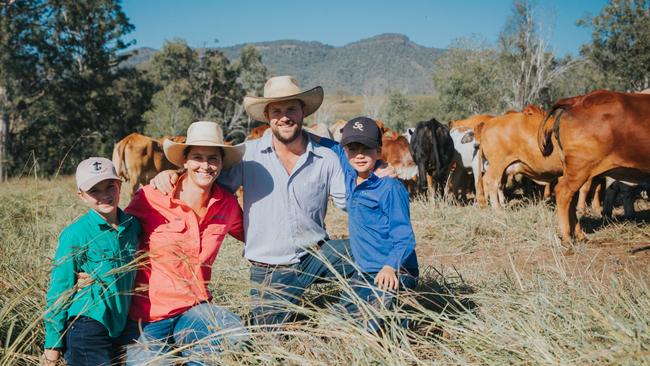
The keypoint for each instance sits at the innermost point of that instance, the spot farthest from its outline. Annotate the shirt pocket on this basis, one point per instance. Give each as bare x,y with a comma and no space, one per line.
173,233
212,238
368,209
310,195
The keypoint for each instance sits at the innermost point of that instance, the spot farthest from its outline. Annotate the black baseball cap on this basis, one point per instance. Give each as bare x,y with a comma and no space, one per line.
363,130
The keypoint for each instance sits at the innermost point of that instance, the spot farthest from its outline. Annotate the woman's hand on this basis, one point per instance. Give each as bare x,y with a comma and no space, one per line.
385,170
83,280
164,181
50,357
386,279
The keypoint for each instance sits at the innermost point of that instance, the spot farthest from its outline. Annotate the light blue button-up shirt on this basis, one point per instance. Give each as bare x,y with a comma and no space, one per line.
284,214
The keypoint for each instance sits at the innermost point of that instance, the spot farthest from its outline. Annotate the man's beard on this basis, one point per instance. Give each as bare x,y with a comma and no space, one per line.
286,140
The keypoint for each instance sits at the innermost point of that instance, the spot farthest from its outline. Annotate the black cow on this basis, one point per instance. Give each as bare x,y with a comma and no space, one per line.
627,195
432,149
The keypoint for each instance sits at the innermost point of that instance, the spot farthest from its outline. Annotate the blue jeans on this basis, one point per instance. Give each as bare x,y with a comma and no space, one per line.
88,343
364,289
200,333
280,286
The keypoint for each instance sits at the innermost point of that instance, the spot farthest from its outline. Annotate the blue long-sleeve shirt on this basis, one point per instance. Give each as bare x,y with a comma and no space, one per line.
379,219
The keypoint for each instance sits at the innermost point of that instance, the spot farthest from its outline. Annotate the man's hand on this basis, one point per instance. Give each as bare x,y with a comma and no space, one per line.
385,170
83,280
50,357
164,181
386,279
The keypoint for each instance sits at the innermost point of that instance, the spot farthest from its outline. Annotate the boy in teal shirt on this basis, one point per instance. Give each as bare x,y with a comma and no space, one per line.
87,322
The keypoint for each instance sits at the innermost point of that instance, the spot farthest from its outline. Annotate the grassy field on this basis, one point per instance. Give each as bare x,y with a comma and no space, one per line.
497,288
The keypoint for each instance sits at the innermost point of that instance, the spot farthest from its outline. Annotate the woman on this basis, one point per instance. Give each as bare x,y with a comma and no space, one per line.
182,234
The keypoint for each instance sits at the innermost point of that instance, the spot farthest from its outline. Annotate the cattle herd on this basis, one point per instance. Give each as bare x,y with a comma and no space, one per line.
591,145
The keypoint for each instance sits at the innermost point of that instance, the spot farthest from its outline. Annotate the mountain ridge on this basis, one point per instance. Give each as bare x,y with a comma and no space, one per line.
391,60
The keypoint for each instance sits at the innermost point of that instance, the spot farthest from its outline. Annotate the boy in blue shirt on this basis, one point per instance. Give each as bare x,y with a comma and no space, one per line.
86,323
381,236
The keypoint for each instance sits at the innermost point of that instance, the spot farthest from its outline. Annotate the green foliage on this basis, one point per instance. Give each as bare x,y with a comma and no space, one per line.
252,72
203,86
397,111
168,116
465,81
75,102
620,43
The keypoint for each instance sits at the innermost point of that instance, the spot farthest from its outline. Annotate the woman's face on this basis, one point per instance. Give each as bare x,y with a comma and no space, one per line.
203,164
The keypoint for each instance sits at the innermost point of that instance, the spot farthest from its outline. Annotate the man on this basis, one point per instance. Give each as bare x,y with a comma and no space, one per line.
287,179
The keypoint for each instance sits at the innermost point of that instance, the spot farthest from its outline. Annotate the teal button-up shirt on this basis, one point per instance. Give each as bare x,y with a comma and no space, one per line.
92,246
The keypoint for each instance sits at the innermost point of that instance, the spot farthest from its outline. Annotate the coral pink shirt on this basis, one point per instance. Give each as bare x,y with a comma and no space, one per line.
179,250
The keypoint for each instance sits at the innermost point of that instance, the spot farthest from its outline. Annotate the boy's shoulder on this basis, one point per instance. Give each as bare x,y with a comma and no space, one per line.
81,226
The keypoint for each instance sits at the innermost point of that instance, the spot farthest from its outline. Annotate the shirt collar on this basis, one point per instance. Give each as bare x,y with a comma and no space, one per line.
215,196
266,144
124,220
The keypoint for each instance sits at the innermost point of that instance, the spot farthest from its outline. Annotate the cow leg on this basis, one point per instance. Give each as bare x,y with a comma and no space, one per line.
422,180
581,207
547,192
565,190
610,199
628,194
492,182
598,184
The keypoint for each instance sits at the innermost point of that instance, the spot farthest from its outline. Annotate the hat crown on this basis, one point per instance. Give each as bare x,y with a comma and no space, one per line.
204,131
281,86
92,171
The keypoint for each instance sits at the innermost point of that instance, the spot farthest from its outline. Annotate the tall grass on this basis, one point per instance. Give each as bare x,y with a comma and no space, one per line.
496,288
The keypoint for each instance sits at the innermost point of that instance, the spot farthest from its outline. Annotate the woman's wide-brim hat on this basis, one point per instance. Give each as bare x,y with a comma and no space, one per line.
203,133
281,88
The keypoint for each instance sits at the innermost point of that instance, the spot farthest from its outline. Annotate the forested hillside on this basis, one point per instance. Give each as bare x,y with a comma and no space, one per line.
402,64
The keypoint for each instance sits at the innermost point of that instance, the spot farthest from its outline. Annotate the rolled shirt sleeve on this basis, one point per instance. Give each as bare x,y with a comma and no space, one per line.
60,292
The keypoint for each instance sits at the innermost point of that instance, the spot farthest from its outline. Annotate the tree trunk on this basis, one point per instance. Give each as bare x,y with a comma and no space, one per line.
4,133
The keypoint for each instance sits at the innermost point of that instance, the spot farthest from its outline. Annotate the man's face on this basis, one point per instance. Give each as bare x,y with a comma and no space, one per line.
285,119
103,197
361,157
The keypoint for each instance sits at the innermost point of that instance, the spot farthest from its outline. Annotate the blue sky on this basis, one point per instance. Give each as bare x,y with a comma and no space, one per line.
433,23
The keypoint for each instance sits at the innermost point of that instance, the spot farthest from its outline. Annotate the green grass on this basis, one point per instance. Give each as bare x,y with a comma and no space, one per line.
497,288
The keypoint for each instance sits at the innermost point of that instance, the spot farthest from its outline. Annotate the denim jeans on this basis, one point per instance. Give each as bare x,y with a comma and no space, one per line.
364,289
277,287
200,333
88,343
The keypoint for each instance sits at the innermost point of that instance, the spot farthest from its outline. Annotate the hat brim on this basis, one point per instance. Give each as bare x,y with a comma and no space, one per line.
367,141
232,154
88,184
255,106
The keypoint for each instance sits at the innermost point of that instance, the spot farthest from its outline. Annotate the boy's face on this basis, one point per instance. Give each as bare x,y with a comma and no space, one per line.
361,157
103,197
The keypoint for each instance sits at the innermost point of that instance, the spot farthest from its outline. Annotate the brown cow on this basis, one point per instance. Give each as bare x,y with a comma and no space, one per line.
335,129
600,133
257,132
396,152
509,144
138,158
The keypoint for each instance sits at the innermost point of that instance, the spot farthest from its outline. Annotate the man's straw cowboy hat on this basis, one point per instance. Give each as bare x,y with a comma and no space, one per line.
282,88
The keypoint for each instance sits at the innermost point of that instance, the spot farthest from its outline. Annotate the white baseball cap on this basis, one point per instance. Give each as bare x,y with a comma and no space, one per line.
94,170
